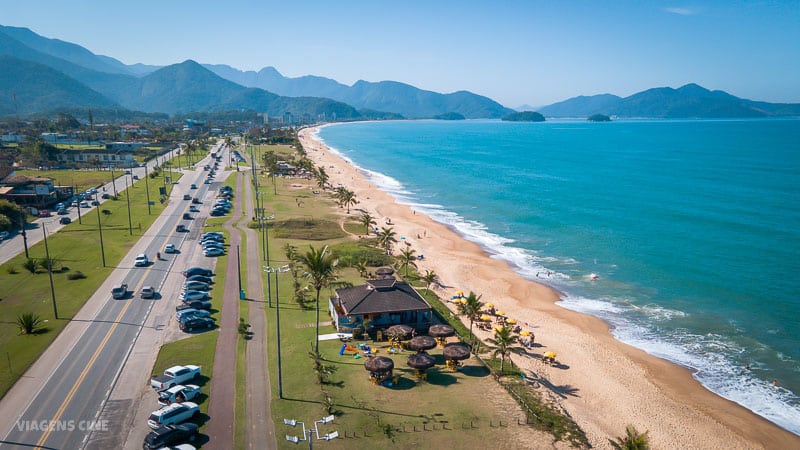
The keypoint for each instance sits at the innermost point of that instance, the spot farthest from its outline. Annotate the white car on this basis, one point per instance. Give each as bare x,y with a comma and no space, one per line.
213,252
141,260
188,296
173,414
170,248
178,394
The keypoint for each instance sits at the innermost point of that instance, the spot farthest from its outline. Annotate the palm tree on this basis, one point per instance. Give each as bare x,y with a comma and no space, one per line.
321,270
322,177
407,258
471,308
347,198
366,220
632,440
29,323
361,267
503,340
386,238
429,278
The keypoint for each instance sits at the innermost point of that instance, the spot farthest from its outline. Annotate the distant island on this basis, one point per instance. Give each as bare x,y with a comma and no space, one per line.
524,116
449,116
599,118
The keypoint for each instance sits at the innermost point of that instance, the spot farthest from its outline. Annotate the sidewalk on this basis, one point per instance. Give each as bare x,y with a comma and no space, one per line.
222,393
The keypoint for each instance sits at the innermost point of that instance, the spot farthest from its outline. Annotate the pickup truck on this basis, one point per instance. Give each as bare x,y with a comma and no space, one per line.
174,376
178,394
119,291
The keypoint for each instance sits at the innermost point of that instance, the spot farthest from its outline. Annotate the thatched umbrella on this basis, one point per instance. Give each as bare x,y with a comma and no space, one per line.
421,362
440,332
379,367
455,352
422,343
399,332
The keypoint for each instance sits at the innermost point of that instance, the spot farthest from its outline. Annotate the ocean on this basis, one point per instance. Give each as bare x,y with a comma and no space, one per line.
692,228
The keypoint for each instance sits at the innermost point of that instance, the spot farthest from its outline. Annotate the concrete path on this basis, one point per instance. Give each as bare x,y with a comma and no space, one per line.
260,432
222,394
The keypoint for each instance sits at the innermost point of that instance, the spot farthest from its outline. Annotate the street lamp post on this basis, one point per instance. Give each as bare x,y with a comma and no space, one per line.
100,229
113,181
147,189
23,232
128,198
283,269
50,271
309,434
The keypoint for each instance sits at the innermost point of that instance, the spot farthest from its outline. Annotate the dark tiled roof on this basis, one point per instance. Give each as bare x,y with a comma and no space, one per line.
381,296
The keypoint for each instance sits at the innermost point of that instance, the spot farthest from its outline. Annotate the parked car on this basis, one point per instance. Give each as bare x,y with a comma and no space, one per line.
141,260
85,204
63,221
181,228
197,271
197,323
216,212
170,435
188,296
62,211
44,213
200,278
212,234
213,252
170,248
209,245
173,414
178,394
148,292
3,235
196,286
105,196
185,314
174,376
194,304
95,203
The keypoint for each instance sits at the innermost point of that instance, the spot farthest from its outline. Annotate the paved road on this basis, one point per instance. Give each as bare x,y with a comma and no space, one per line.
15,244
59,401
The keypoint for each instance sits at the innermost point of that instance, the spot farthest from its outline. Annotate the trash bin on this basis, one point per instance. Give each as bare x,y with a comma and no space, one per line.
242,295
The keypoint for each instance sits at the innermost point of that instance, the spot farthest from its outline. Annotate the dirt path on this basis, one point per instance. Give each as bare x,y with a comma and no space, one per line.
260,432
222,394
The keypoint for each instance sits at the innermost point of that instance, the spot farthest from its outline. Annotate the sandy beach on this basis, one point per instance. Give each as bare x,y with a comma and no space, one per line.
603,383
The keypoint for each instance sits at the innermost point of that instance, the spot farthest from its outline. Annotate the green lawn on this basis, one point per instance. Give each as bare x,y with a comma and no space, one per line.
76,248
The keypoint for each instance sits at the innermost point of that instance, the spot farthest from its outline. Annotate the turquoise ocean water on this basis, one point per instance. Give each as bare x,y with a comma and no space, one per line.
693,228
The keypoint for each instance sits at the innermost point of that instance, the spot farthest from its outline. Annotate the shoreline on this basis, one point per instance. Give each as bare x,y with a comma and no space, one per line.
652,394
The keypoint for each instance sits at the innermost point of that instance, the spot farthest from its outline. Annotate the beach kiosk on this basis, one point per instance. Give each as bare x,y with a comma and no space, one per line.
421,362
379,368
455,352
441,332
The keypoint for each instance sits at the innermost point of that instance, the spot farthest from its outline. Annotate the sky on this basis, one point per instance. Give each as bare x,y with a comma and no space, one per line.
528,52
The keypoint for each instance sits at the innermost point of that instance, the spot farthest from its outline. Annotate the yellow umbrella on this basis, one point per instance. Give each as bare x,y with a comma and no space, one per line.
550,355
486,317
490,305
459,293
463,301
498,328
500,313
525,333
511,321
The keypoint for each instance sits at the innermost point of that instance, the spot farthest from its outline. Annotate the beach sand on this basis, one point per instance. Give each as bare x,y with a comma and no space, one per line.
604,384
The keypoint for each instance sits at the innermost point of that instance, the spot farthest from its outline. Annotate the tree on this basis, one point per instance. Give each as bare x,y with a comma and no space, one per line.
503,340
429,278
408,258
321,270
632,440
322,177
29,323
366,220
361,267
471,308
346,198
386,239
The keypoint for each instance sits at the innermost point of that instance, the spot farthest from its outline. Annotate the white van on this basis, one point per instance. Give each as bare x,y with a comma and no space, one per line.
141,260
173,414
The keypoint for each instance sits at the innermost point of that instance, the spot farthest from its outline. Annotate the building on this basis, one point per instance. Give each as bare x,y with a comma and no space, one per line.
117,154
37,192
380,304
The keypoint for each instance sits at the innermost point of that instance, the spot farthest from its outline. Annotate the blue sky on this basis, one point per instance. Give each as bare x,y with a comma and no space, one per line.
516,52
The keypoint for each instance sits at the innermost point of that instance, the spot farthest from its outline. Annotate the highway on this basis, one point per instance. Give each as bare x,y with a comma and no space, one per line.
61,407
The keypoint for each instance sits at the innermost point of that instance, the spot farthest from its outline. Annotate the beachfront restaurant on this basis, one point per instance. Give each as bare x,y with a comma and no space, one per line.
380,303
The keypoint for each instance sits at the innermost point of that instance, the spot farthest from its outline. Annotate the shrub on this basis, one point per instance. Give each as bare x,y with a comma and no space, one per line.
77,275
29,323
11,269
30,265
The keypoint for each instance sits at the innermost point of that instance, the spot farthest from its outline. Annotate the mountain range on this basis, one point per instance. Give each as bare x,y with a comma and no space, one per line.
39,74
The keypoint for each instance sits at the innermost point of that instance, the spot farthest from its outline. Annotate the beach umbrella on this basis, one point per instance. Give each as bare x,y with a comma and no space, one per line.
498,328
511,321
421,343
486,318
456,351
421,361
379,364
549,356
441,331
399,331
490,305
459,293
525,333
500,313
